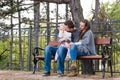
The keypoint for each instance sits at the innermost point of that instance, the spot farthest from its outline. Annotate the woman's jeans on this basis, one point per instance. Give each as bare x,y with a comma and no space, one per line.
51,51
74,52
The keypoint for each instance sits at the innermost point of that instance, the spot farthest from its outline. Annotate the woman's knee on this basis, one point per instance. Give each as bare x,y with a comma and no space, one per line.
73,47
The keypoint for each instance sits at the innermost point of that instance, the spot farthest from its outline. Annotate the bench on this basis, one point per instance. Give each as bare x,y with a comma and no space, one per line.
105,46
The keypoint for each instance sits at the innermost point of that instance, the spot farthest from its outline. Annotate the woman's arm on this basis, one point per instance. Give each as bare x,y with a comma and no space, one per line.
86,39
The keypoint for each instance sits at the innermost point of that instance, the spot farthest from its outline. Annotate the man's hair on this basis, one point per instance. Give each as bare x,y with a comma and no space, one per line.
69,23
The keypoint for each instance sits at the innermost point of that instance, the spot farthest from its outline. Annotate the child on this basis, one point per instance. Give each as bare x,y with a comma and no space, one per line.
63,34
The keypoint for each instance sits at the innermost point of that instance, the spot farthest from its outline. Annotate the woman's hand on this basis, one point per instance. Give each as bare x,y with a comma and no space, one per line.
71,43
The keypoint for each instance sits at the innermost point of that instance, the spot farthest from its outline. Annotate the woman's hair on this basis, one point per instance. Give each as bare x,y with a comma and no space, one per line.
69,23
87,27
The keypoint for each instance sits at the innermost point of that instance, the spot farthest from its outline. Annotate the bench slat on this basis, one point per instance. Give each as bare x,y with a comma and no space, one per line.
80,57
40,57
89,57
102,41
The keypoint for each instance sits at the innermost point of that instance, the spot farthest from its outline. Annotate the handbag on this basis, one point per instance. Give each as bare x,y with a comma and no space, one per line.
54,43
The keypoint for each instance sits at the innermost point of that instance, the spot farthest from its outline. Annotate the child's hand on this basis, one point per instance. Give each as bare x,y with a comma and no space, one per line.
67,45
62,39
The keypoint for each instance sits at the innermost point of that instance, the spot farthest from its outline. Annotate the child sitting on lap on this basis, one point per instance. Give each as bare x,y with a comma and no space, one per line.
63,34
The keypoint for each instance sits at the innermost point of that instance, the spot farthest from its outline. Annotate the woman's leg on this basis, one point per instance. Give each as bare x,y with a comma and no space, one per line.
73,55
48,53
73,52
62,51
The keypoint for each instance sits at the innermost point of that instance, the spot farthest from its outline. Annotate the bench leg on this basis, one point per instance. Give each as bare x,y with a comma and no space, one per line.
35,64
110,63
103,71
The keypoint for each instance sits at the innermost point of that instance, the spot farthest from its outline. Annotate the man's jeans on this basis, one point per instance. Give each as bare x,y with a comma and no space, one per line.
51,51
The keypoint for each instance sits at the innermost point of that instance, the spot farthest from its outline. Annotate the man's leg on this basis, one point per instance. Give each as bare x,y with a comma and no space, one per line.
48,53
62,51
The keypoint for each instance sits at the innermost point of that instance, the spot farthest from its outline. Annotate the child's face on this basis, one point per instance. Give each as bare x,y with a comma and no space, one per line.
61,27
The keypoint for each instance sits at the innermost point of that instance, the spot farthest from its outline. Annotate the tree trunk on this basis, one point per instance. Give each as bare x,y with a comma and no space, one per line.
77,11
36,22
87,67
75,6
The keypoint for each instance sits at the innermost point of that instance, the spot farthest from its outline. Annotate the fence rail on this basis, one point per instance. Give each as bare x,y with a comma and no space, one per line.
109,28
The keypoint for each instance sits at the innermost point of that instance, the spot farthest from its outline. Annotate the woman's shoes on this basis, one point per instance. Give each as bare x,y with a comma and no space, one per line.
73,69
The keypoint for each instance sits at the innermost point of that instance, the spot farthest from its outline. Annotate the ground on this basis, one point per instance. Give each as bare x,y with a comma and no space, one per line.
25,75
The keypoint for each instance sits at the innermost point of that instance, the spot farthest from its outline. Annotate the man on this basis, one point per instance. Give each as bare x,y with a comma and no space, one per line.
62,51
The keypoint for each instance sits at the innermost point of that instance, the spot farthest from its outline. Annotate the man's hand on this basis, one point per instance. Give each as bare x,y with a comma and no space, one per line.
62,39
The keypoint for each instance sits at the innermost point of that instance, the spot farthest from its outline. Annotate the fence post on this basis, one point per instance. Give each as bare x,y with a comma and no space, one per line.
29,47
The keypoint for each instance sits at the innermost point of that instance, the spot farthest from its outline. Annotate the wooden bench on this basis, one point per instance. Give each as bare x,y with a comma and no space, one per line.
105,47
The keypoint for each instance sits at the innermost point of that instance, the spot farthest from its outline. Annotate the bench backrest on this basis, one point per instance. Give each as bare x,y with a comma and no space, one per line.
105,44
102,41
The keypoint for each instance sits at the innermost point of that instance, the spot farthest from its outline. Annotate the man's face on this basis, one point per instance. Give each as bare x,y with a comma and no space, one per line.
67,28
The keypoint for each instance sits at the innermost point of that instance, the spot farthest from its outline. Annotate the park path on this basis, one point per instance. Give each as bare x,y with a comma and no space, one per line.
27,75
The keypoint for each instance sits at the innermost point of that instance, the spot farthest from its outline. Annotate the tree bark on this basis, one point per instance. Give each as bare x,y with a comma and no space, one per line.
87,67
36,22
77,11
75,7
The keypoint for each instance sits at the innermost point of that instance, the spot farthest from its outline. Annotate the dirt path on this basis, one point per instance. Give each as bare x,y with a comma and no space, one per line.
24,75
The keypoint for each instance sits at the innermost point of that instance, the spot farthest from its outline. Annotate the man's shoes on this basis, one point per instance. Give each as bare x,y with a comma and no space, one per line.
46,74
60,74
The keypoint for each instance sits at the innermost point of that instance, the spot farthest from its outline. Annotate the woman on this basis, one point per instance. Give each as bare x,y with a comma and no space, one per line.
84,46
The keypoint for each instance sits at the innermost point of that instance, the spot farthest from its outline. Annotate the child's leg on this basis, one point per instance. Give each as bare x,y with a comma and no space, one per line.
68,55
56,56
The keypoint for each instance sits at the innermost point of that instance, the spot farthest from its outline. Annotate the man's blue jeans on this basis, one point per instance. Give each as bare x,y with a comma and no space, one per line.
49,52
74,52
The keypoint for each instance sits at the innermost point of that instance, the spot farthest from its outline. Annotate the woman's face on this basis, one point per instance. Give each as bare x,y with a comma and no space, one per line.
82,26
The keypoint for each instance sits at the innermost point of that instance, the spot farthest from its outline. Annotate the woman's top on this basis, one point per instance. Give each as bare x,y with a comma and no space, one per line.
87,43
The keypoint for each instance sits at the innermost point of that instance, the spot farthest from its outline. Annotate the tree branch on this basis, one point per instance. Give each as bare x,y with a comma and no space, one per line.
55,1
